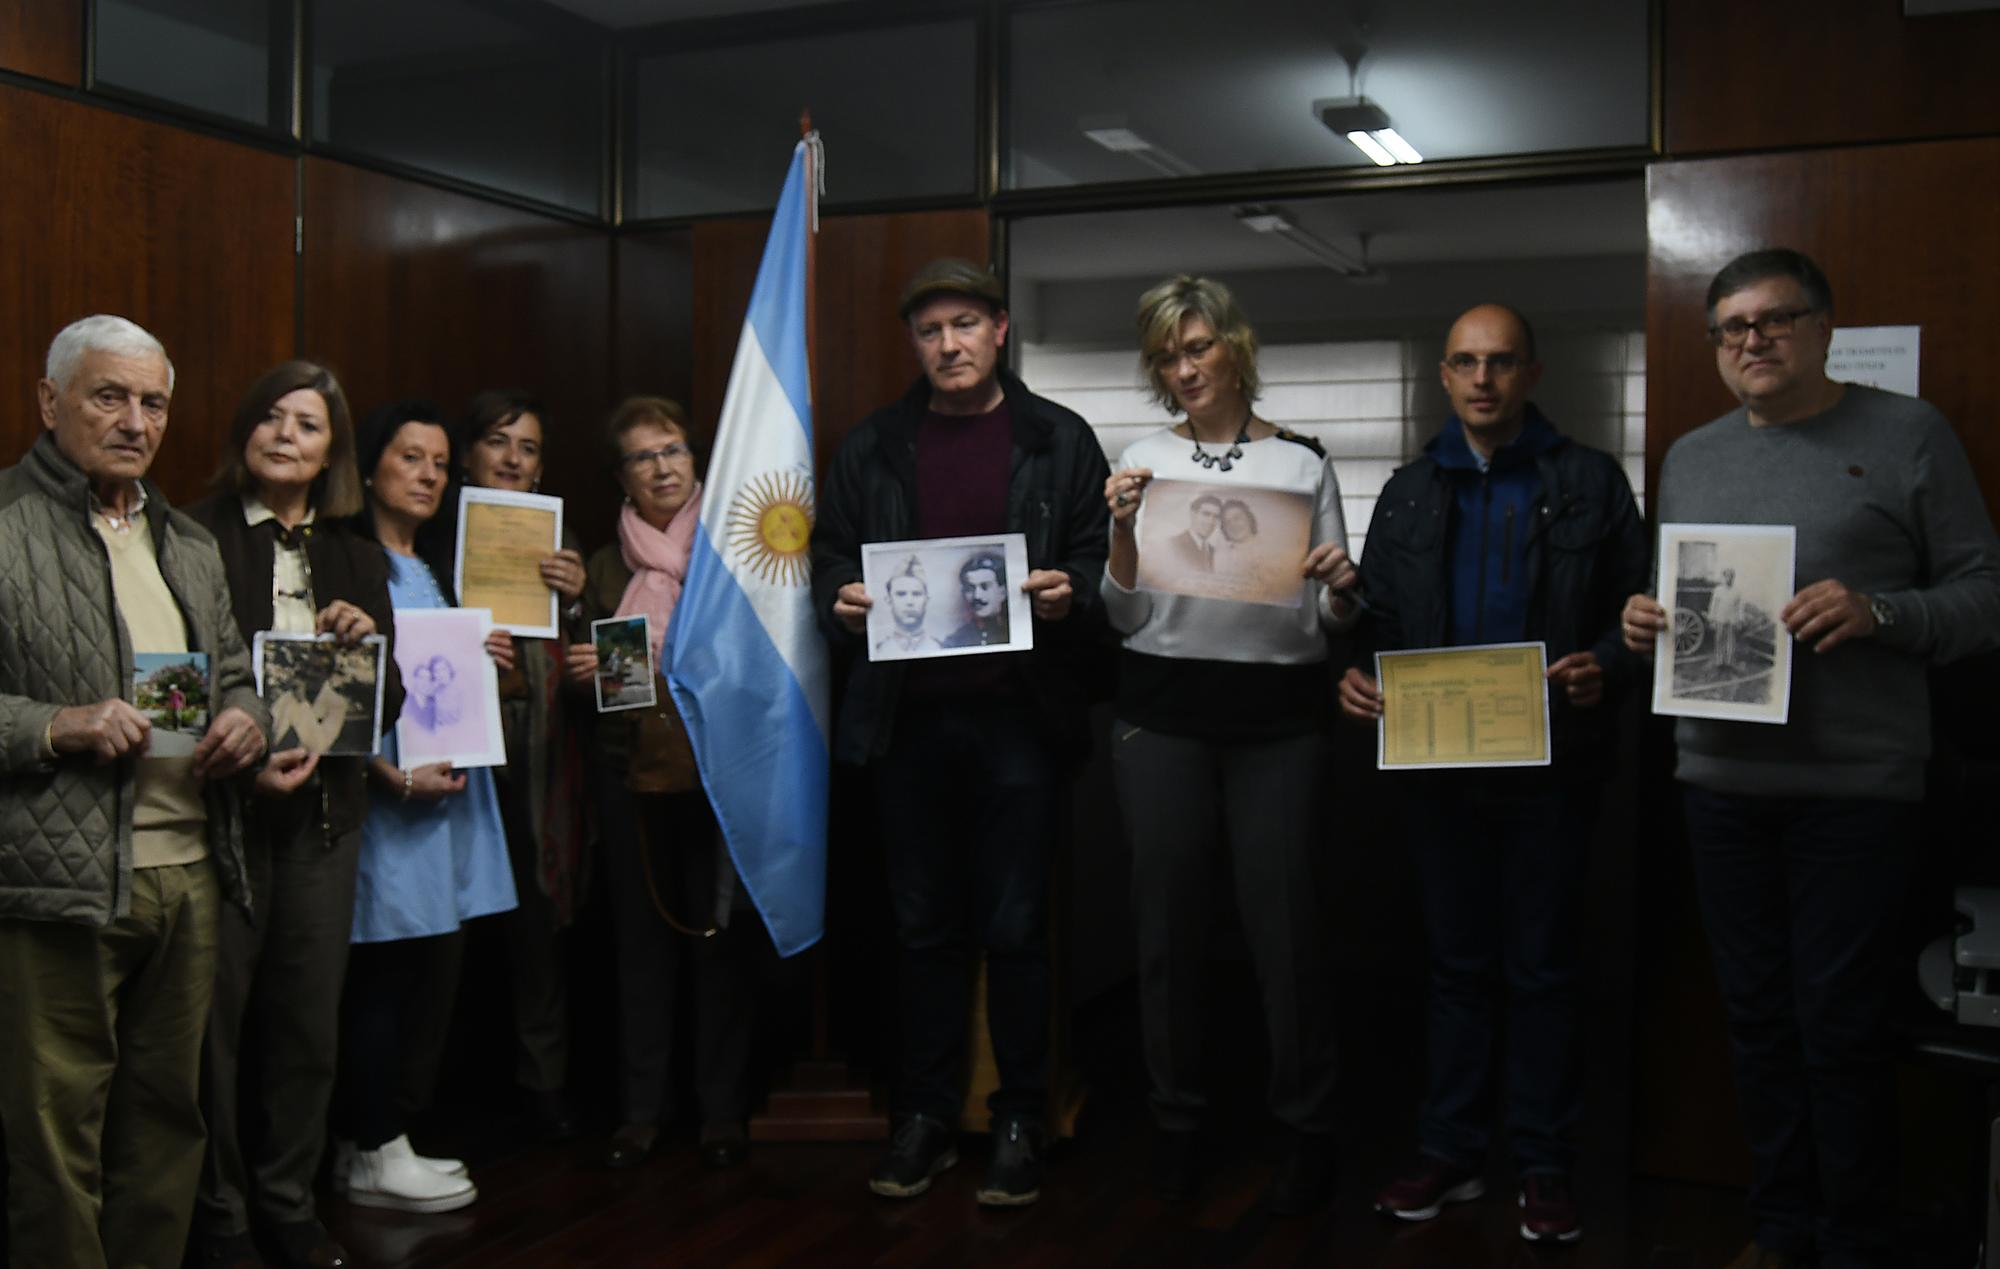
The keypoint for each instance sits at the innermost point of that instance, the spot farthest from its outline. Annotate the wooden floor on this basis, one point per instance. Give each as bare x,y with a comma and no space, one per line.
808,1205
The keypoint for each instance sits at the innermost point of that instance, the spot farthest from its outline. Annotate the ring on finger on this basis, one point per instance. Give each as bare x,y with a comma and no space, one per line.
1124,499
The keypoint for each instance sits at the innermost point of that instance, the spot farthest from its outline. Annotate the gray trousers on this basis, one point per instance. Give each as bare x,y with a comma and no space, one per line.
1190,808
268,1060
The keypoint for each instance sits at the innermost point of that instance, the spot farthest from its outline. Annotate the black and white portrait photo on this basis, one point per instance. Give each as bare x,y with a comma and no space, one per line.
325,696
1725,653
947,597
1246,543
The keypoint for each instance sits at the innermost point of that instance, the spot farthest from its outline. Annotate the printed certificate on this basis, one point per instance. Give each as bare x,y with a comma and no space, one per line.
503,537
1484,706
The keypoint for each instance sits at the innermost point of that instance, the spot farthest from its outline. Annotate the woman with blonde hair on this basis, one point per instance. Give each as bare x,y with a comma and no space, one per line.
1219,748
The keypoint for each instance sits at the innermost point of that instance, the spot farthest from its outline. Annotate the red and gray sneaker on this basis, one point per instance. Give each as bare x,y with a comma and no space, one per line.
1548,1211
1422,1194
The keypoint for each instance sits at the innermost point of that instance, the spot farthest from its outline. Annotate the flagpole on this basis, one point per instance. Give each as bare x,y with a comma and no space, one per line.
822,1025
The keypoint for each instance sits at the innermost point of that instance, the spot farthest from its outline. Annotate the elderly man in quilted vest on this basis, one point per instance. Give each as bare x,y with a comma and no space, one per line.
119,824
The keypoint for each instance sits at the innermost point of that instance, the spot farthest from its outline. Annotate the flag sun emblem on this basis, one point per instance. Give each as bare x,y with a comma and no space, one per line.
770,526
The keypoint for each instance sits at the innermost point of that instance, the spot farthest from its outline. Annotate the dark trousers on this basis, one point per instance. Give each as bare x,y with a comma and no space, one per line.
969,800
1189,806
1801,898
534,952
100,1059
729,968
395,1015
268,1059
1501,860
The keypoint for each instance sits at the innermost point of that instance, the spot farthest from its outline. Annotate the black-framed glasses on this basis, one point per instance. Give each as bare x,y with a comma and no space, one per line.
1734,332
1499,363
645,457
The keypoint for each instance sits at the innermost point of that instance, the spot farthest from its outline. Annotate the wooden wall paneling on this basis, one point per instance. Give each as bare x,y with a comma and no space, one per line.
865,357
653,315
1906,234
189,236
416,291
1756,77
862,360
43,38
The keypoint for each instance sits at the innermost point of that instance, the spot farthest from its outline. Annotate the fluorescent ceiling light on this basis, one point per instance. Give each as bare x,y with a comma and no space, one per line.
1372,148
1111,133
1393,142
1118,140
1366,125
1272,220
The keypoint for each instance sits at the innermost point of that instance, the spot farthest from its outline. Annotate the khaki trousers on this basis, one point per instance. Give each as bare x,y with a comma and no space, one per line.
100,1056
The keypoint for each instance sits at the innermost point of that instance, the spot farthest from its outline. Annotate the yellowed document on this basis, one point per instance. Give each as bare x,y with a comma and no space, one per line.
503,537
1485,706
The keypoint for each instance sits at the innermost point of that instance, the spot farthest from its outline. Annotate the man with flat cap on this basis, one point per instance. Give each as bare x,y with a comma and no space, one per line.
968,755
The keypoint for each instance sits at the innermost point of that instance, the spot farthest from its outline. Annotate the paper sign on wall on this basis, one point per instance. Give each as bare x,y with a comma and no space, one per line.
1875,356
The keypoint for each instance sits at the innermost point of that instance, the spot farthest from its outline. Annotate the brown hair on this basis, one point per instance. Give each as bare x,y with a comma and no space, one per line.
634,411
336,491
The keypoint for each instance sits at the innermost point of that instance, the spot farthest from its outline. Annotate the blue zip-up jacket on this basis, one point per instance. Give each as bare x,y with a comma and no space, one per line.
1581,551
1492,513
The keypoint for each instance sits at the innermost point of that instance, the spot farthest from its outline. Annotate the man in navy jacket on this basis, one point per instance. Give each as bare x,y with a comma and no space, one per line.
1503,531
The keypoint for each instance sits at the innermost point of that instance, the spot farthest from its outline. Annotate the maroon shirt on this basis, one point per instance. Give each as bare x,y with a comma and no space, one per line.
963,462
963,465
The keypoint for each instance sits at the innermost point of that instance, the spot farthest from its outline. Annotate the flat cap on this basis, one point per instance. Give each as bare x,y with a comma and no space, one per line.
950,275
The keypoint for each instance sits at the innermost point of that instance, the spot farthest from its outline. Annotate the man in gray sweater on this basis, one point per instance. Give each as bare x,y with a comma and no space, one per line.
1800,833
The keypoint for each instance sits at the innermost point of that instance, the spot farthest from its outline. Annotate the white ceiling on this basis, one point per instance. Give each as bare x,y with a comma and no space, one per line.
1436,226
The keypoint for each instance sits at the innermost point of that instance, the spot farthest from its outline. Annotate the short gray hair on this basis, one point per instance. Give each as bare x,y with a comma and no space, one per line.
102,332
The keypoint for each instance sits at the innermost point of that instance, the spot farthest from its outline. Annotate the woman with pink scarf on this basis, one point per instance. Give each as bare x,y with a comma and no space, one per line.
675,897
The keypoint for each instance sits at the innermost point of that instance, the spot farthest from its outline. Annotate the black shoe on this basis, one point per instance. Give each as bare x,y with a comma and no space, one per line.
723,1148
1014,1176
630,1145
228,1251
1176,1165
921,1148
554,1115
1305,1180
307,1245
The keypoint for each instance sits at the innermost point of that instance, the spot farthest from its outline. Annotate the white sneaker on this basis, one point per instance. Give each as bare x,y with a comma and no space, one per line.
394,1177
343,1160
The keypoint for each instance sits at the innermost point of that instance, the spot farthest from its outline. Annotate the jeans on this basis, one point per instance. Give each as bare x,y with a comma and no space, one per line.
1501,860
1801,898
970,802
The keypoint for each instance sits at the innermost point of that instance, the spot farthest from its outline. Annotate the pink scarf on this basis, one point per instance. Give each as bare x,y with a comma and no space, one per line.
658,559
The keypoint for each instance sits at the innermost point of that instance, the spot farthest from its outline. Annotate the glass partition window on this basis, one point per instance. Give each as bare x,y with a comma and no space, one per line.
712,128
457,88
212,56
1123,90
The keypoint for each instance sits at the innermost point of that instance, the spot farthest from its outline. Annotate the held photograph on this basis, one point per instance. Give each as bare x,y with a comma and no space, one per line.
325,696
1725,654
451,690
943,597
625,678
171,690
1245,543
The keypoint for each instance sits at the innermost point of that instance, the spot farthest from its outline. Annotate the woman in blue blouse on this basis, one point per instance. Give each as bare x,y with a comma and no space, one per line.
433,855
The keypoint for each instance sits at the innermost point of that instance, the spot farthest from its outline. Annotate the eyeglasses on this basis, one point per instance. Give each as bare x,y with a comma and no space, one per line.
644,457
1195,350
1734,332
1498,363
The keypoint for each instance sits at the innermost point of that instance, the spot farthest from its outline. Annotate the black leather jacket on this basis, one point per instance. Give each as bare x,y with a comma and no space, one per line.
1587,552
1055,495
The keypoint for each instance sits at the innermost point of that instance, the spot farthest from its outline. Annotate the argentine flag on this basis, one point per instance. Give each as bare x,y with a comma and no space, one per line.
746,665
